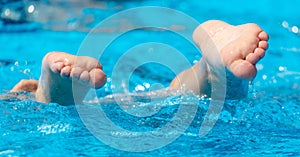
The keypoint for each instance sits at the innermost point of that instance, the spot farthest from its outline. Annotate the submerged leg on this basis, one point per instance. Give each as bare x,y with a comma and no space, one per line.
239,47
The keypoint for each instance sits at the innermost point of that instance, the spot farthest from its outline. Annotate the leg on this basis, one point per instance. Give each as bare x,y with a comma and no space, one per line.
62,72
26,85
195,79
239,47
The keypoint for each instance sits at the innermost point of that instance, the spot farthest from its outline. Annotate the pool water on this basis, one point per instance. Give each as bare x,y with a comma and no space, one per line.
265,123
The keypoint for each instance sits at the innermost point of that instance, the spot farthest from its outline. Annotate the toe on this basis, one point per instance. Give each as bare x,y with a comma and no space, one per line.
85,76
56,67
65,71
253,58
76,72
263,44
243,69
263,36
260,52
97,78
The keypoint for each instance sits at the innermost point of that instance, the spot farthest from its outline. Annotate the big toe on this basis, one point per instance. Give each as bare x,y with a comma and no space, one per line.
97,78
243,69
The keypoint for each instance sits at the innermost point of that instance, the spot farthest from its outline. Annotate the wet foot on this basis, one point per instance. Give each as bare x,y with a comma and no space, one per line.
239,47
66,78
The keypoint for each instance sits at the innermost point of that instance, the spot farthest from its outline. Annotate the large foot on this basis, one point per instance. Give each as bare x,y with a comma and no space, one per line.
67,77
239,47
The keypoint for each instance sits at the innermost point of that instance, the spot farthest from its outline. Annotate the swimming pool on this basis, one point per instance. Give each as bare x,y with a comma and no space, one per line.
265,123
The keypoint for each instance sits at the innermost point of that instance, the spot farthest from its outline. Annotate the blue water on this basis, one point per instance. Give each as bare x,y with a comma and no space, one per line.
265,123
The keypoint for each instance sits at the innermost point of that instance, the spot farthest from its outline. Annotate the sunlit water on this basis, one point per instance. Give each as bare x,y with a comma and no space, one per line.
265,123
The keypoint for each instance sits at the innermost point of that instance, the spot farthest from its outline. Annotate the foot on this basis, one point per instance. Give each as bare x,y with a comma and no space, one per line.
66,78
239,47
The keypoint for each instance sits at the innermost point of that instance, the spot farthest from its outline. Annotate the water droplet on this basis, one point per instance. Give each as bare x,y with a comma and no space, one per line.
282,68
146,84
264,77
285,24
140,88
31,9
295,29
